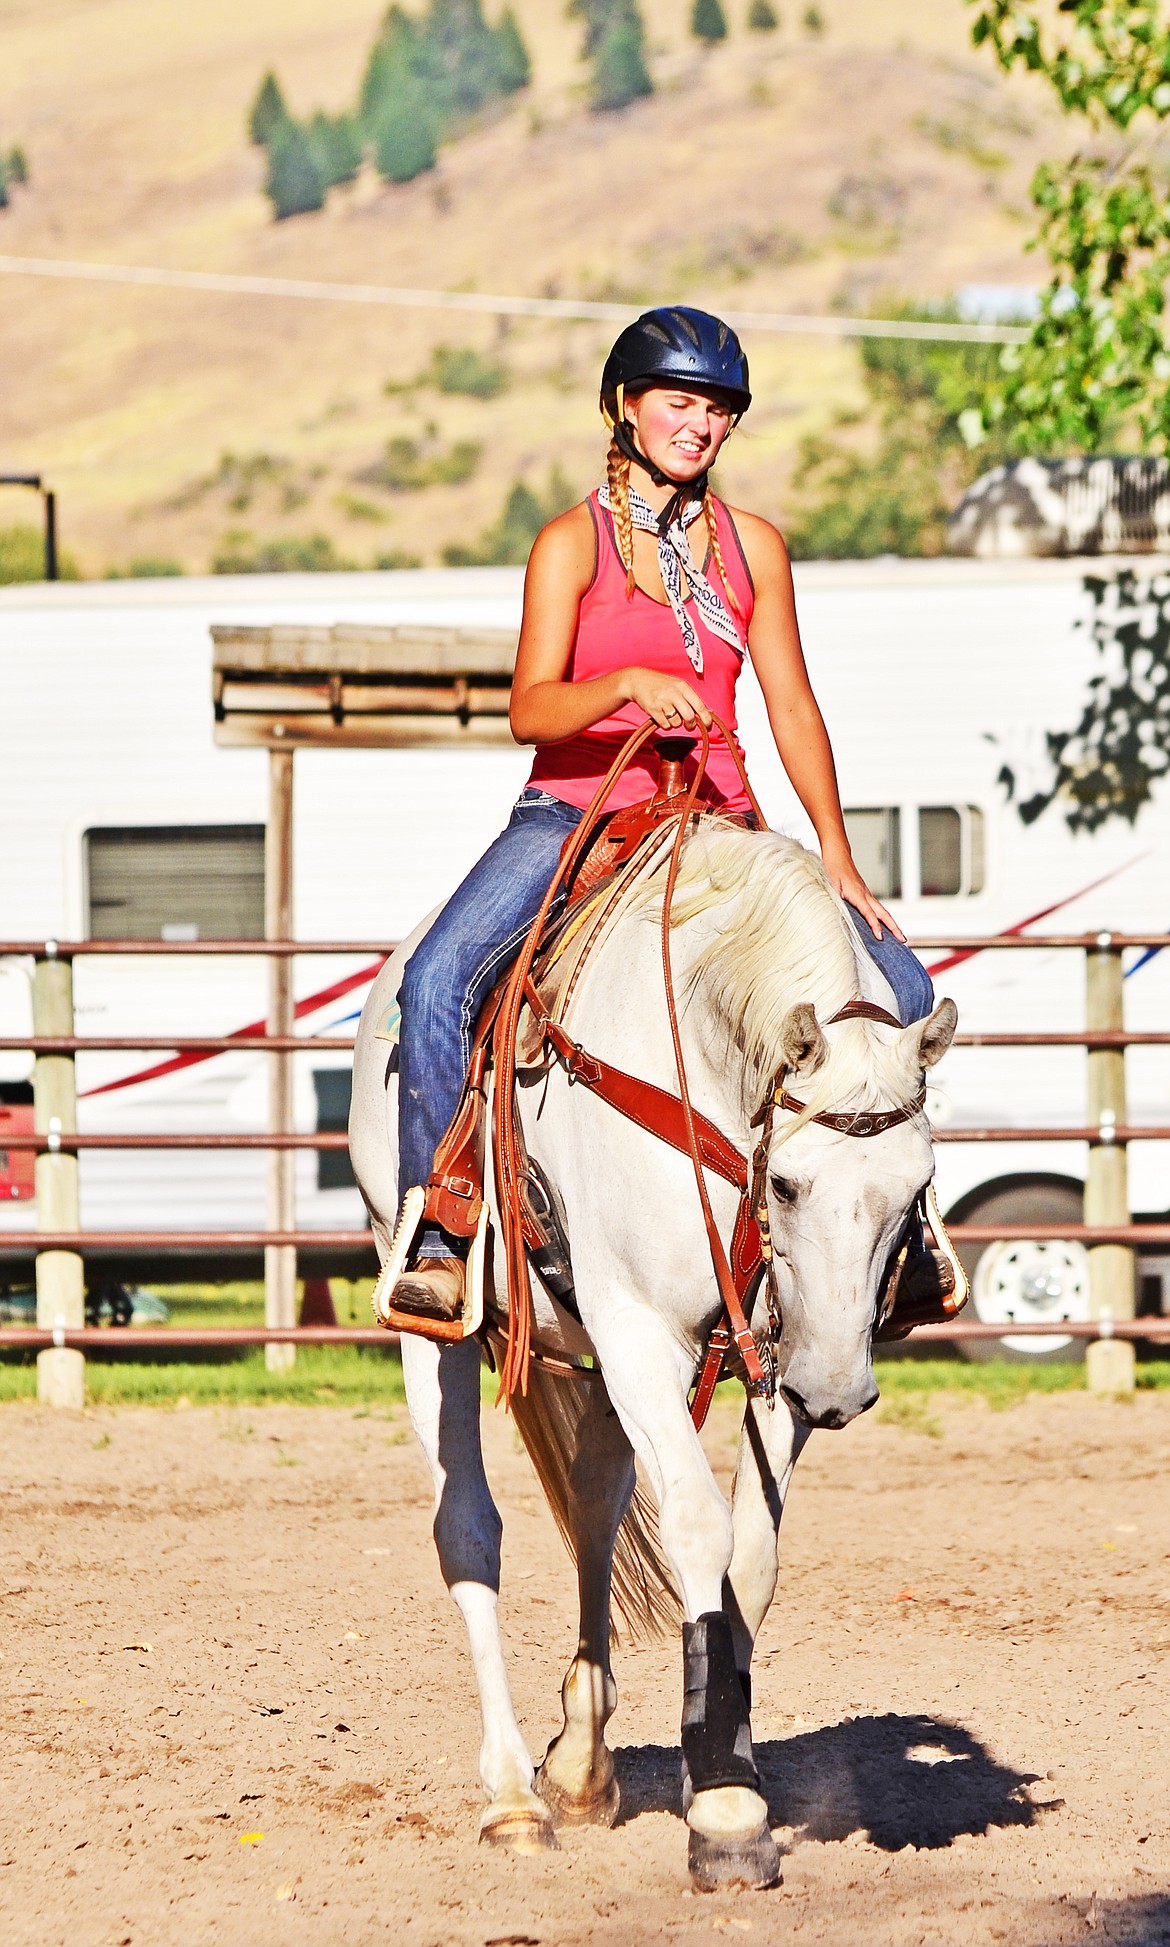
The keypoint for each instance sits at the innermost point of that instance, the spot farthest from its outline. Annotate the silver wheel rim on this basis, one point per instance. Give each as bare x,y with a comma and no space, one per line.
1033,1283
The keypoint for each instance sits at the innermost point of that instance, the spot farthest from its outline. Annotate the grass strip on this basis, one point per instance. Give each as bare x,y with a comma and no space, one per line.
345,1375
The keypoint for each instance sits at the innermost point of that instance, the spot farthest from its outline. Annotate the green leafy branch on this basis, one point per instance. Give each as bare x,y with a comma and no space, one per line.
1105,61
1095,371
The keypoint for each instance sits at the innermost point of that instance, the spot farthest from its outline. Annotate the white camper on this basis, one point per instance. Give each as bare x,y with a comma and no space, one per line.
938,679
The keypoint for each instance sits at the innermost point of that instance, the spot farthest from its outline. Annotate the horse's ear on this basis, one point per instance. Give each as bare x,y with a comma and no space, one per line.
936,1033
802,1044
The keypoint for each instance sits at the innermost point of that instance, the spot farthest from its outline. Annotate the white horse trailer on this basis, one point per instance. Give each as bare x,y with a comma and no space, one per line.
122,818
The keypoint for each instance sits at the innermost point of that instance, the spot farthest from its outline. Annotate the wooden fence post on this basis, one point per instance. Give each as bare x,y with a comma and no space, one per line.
1110,1362
60,1274
280,1260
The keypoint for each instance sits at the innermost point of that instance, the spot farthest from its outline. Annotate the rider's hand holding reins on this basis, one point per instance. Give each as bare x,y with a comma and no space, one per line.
671,703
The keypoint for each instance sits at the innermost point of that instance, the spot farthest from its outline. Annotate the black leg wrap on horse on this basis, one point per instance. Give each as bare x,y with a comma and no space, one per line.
716,1732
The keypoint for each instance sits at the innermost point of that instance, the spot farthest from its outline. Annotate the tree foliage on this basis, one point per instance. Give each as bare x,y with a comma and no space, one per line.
762,17
268,112
1095,372
708,22
431,72
336,141
1107,764
508,541
425,75
294,184
615,44
883,481
22,556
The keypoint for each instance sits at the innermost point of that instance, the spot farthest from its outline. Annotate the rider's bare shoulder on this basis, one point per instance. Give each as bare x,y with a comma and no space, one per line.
764,546
564,550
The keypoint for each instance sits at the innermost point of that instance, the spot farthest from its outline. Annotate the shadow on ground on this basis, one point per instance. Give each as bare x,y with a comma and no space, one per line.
902,1781
1140,1922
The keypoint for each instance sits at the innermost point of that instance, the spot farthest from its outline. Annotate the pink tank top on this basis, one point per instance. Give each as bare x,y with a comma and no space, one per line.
613,632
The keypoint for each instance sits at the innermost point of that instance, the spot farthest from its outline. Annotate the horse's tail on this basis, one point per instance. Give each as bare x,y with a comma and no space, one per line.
550,1417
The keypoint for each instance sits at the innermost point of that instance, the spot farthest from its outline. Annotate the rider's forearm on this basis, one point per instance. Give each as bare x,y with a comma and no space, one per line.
807,756
547,713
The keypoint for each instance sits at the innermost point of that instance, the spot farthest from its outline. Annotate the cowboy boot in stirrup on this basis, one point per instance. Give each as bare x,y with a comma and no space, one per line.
924,1286
433,1289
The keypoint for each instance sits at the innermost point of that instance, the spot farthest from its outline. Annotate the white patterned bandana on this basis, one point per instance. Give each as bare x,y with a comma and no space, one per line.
674,559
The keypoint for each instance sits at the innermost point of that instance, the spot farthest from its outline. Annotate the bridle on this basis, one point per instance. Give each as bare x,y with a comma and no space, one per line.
846,1122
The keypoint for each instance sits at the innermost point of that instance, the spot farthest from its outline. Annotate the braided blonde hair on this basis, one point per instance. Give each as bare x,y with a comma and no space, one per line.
617,473
717,551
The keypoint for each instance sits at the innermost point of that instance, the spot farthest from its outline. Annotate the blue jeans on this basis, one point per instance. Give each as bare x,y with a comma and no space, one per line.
479,931
453,969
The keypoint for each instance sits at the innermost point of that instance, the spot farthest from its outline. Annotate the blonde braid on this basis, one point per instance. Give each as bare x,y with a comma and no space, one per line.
617,472
717,551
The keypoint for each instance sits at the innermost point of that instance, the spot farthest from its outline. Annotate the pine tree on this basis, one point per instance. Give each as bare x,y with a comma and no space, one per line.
620,74
3,184
598,15
762,17
16,166
406,133
268,112
708,22
515,63
294,184
337,147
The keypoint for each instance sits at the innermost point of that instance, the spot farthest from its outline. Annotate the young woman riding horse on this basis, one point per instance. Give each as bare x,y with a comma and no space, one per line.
641,601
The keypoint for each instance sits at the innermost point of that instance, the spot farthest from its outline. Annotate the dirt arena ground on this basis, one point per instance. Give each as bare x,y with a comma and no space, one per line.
236,1705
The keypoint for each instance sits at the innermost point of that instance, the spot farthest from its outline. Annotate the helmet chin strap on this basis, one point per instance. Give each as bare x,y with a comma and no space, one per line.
689,490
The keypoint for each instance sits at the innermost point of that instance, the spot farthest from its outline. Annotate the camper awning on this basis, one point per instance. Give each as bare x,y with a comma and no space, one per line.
359,686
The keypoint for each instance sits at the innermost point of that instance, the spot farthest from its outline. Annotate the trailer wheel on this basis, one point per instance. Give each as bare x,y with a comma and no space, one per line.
1033,1283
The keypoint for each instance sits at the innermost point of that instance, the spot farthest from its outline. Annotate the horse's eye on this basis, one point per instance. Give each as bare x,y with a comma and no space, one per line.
783,1190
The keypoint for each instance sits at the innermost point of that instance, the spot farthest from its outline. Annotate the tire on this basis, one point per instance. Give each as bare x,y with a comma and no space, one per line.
1009,1280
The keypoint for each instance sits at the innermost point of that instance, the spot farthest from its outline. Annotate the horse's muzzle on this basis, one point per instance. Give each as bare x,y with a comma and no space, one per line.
829,1413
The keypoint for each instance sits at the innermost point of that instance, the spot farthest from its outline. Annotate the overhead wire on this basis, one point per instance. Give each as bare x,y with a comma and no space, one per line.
316,290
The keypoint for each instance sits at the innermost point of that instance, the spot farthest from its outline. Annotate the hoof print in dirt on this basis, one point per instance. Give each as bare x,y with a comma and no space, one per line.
715,1863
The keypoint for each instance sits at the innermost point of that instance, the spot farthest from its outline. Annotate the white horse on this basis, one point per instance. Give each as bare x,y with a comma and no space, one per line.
762,947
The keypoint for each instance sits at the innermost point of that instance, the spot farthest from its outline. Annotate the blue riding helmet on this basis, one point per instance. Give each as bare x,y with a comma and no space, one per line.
675,345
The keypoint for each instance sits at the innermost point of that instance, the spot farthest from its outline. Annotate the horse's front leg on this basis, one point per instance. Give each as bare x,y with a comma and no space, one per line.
442,1393
648,1374
769,1449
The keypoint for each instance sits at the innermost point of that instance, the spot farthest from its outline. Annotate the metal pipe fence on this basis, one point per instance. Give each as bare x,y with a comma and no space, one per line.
1108,1230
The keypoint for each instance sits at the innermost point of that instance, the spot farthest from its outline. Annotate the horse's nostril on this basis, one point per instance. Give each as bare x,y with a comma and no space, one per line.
797,1404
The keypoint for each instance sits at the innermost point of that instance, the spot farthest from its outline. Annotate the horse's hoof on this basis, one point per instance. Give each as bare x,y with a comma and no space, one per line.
516,1829
753,1862
598,1808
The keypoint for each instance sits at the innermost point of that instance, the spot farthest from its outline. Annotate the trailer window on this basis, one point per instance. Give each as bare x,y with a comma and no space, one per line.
175,882
875,838
950,850
332,1086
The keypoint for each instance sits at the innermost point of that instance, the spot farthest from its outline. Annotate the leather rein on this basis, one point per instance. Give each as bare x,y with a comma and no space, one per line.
671,1118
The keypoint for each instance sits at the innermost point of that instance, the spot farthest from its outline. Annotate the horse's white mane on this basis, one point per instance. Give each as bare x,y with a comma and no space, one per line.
786,937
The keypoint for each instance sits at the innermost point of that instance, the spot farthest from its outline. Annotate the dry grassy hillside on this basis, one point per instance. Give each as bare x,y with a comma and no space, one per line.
780,171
